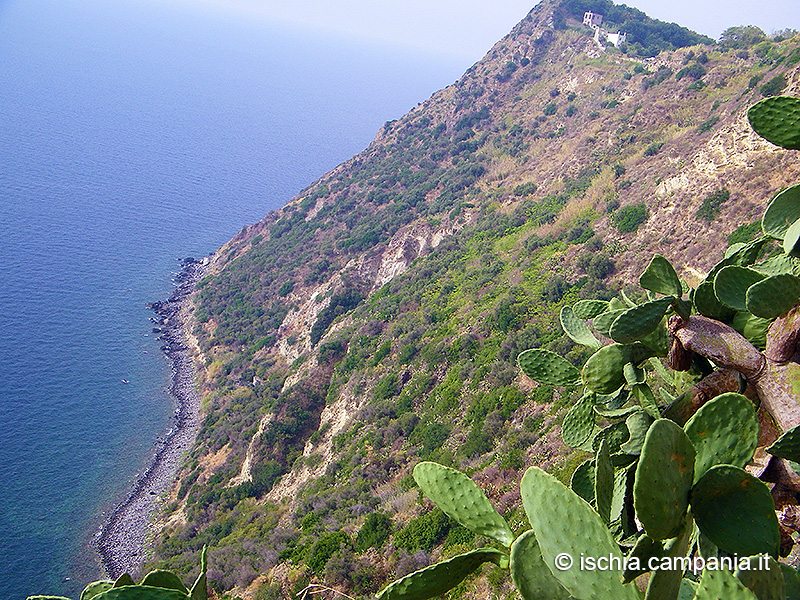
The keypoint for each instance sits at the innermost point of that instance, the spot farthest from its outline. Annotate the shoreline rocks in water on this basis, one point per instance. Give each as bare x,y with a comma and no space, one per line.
122,540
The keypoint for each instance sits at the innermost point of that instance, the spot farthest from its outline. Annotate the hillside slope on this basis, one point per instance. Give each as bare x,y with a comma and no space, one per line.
375,320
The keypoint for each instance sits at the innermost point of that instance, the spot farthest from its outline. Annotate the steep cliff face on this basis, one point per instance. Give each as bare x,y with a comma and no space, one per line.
375,320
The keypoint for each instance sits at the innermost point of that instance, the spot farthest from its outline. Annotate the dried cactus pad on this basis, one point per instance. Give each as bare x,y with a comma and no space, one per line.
777,119
460,499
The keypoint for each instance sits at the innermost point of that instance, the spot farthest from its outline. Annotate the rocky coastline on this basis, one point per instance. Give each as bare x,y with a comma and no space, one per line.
123,538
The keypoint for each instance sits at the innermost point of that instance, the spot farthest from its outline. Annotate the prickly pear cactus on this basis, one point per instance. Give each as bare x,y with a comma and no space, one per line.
548,367
763,577
442,577
664,476
781,213
156,585
719,584
773,296
724,431
460,499
735,511
93,589
660,277
530,574
636,323
567,528
777,119
164,579
578,423
577,330
787,446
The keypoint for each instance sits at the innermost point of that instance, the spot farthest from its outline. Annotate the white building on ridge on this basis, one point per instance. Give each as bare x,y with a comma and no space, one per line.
593,21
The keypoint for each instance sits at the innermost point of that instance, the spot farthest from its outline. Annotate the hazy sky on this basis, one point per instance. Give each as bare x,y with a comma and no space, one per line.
468,28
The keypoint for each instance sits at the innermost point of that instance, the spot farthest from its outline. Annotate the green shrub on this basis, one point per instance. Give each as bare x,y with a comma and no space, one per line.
774,86
324,548
711,205
653,149
628,218
423,532
374,532
525,189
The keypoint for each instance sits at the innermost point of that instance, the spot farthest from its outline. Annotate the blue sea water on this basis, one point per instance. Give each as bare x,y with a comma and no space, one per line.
134,133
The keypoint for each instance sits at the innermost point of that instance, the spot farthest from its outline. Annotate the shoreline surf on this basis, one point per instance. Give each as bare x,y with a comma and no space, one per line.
122,540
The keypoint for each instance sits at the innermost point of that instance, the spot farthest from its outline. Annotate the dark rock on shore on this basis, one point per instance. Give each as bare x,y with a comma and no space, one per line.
122,540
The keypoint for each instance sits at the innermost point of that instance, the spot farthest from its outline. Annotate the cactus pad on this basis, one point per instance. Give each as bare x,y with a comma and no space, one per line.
766,583
707,304
124,579
736,512
199,589
781,213
460,499
614,435
753,328
660,277
664,476
718,584
564,523
578,423
731,283
787,446
773,296
548,367
603,372
791,241
438,579
577,330
778,265
777,119
637,424
97,587
665,584
530,573
141,592
603,482
723,431
645,549
791,582
637,323
589,309
164,579
582,482
602,323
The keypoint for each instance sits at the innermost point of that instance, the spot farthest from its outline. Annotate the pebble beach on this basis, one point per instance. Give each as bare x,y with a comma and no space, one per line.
122,541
